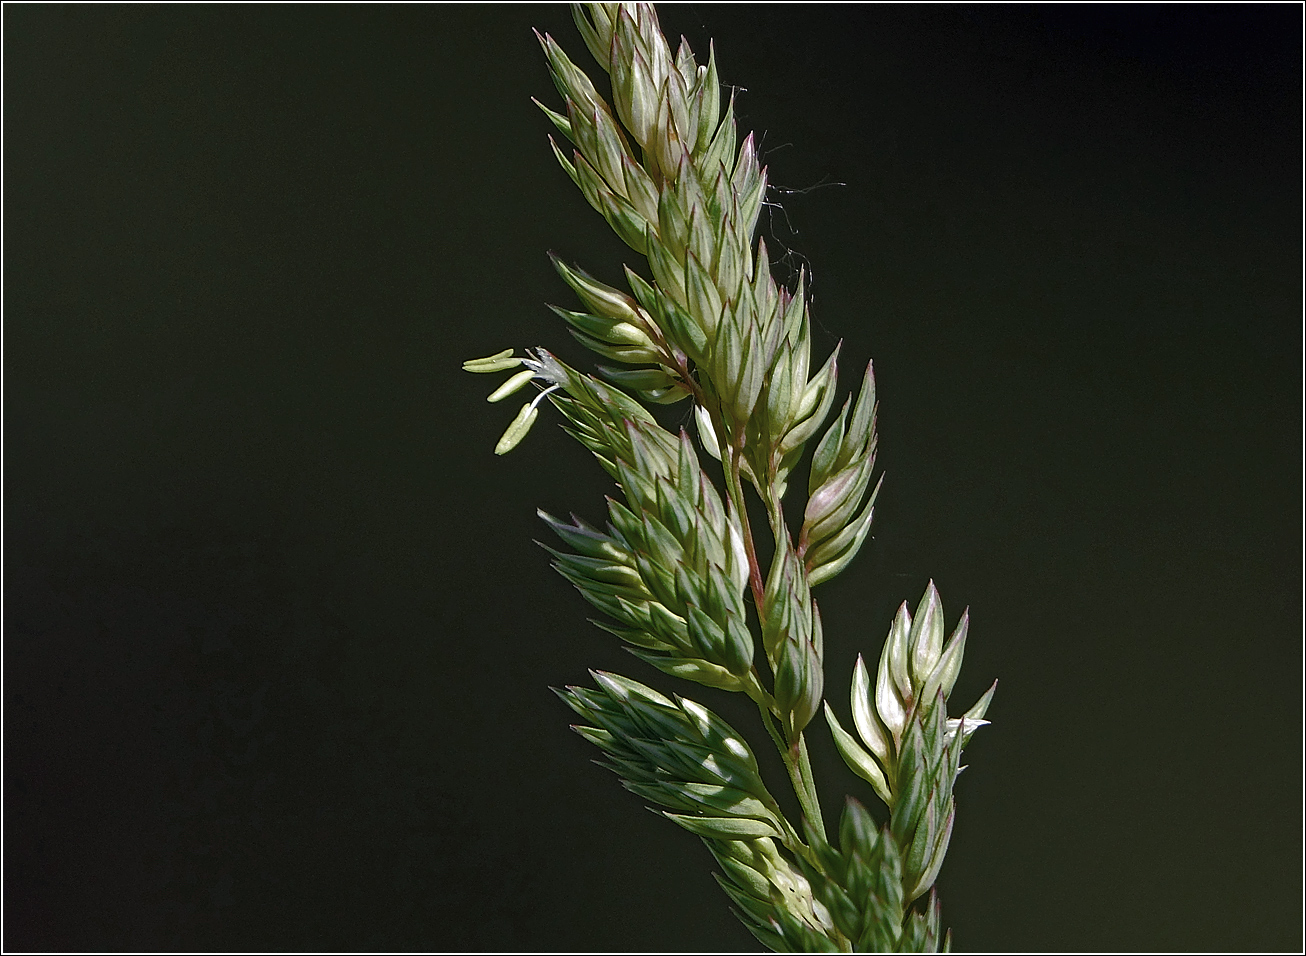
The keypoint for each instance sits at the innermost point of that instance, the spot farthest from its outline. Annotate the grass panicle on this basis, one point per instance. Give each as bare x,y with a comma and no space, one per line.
676,565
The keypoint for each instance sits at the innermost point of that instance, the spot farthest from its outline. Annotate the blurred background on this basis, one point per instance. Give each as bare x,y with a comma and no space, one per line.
278,644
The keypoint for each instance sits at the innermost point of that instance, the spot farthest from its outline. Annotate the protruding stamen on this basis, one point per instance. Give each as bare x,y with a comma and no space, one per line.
518,429
512,386
498,362
540,397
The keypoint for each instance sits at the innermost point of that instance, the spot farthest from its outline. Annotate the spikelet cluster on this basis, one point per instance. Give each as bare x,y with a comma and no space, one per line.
670,567
910,749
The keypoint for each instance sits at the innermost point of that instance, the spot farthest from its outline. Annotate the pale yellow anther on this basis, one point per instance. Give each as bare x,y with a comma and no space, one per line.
512,386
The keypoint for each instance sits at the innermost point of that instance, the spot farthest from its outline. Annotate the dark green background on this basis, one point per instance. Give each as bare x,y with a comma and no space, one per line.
278,643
